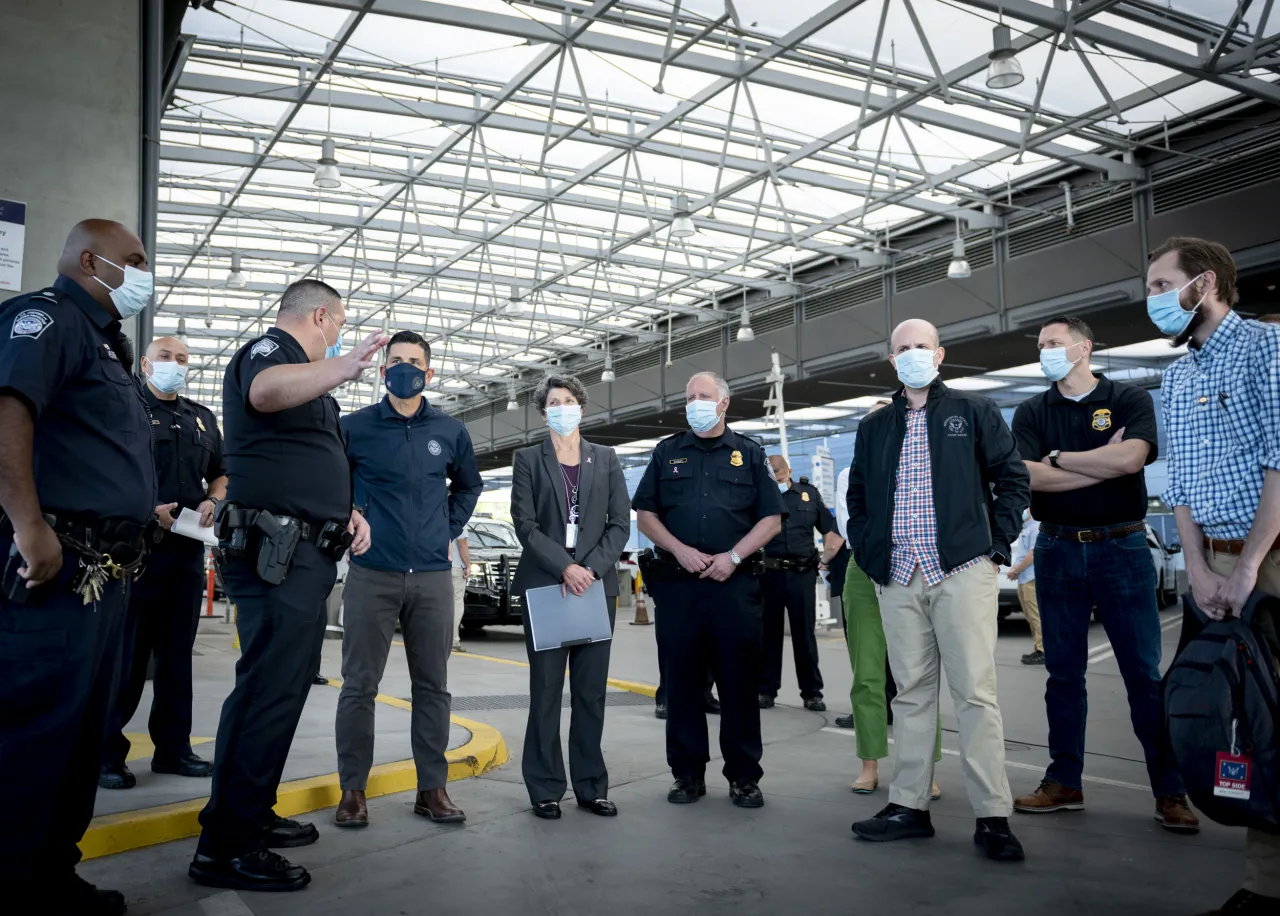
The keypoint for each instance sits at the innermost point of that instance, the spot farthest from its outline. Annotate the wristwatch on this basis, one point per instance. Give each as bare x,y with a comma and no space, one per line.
734,558
1053,457
594,574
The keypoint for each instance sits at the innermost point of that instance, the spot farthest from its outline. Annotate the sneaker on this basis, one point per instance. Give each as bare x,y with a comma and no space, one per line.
659,710
895,822
997,840
844,721
815,704
1050,796
1033,658
1174,813
1247,903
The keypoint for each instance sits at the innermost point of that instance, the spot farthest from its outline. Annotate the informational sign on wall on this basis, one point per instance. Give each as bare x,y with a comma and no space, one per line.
13,232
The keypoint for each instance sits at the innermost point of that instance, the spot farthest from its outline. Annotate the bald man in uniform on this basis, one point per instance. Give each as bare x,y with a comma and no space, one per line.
165,605
78,493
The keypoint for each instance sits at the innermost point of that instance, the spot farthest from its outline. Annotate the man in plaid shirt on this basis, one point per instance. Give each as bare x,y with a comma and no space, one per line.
936,495
1222,415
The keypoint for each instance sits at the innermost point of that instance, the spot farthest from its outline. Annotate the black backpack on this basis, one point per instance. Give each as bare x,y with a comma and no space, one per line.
1222,696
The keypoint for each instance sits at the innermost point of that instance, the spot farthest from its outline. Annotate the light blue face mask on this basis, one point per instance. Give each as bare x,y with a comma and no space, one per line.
168,377
334,350
131,296
784,486
1054,363
564,418
915,368
1166,311
702,415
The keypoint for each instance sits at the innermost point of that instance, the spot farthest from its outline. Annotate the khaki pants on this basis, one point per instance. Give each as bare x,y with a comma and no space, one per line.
1261,850
1031,610
951,628
459,603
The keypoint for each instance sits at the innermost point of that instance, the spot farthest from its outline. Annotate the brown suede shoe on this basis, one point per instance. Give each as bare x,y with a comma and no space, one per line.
1174,813
352,810
435,804
1050,796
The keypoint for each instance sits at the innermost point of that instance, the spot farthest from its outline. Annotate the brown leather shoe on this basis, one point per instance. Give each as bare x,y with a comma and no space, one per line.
352,810
1174,813
435,804
1050,796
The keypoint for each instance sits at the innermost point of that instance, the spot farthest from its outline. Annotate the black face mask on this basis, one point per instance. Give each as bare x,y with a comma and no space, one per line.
406,380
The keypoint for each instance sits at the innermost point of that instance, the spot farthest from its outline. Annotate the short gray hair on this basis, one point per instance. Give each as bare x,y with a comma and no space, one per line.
721,385
569,383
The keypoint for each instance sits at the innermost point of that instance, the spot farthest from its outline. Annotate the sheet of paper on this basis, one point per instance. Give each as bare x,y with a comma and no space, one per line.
188,525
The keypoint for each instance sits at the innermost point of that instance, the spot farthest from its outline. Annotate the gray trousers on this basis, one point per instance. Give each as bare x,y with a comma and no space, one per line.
543,760
423,603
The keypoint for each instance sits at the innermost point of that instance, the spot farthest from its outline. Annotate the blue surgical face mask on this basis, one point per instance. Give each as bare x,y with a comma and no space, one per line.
168,377
334,350
564,418
131,296
702,415
784,486
405,380
915,368
1054,363
1166,311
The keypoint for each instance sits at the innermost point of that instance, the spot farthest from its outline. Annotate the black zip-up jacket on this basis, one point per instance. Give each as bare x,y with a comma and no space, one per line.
980,485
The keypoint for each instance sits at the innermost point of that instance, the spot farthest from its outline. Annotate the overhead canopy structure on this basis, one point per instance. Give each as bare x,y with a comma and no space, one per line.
535,184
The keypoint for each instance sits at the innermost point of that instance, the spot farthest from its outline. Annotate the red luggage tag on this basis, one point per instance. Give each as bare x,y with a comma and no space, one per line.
1232,771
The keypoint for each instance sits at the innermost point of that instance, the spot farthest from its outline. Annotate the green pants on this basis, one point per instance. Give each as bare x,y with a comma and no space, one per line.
864,635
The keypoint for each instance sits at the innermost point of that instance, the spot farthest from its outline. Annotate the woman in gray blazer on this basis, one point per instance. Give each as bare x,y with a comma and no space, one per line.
573,518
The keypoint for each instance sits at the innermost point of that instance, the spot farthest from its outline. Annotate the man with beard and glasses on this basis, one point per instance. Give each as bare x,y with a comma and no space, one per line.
1222,414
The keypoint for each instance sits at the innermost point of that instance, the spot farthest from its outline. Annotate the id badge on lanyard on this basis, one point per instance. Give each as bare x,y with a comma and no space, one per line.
571,535
1232,771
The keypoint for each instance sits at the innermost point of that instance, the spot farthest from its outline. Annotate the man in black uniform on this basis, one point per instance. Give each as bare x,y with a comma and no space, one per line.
790,586
78,490
165,605
288,504
708,504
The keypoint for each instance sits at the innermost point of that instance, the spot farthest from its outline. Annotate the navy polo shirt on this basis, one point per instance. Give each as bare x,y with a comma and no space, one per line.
92,449
290,462
188,449
708,492
415,480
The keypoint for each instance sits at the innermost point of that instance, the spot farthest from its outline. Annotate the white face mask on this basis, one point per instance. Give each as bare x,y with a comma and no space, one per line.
168,377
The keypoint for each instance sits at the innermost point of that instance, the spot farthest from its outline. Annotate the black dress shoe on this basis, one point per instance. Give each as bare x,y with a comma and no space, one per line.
686,791
186,765
116,777
547,810
320,680
997,840
746,794
766,701
283,833
659,710
844,721
711,705
815,704
895,822
263,870
1247,903
600,806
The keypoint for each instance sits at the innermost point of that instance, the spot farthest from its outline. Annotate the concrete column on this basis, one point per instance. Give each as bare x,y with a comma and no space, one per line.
70,115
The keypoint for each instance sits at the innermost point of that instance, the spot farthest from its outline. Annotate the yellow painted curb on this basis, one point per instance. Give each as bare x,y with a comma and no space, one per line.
113,833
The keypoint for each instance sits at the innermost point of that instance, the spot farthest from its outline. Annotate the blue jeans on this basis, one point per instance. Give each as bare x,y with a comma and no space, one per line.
1120,578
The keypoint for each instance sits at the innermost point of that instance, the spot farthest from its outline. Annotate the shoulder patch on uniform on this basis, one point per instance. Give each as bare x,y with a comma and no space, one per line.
264,347
30,323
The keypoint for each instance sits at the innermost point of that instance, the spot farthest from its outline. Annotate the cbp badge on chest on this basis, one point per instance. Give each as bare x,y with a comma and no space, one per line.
804,497
200,423
735,459
1102,419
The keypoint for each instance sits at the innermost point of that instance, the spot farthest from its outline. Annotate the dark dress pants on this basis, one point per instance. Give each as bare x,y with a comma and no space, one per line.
163,614
281,633
793,594
704,623
543,760
59,668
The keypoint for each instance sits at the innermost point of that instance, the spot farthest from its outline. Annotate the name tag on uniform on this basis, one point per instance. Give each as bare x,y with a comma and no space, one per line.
570,536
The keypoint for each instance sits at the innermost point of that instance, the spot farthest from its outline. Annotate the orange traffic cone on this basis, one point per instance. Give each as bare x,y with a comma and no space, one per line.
642,612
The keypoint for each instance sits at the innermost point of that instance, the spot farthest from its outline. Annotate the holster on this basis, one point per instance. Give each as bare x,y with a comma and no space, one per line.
277,540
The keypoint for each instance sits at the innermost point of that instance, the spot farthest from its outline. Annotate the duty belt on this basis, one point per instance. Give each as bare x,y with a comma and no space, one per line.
664,567
791,564
1092,535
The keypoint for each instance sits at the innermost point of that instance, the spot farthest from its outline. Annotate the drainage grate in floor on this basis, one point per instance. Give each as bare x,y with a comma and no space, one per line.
521,701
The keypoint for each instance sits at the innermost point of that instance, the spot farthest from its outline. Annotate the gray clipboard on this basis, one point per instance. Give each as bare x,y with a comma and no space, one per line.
556,621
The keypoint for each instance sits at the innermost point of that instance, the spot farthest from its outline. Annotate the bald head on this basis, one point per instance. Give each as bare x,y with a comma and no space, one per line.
914,333
163,349
101,248
781,470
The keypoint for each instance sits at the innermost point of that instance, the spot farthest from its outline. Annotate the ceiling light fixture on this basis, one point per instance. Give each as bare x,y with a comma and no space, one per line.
682,225
182,327
327,174
512,403
1004,72
608,375
745,333
235,279
959,267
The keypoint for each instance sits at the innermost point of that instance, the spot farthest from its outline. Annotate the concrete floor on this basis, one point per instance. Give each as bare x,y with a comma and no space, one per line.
795,855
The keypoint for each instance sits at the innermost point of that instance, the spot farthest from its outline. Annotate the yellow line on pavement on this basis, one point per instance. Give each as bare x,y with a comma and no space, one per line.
639,687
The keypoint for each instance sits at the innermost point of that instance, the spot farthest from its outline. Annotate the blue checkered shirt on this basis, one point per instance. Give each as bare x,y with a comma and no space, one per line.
915,524
1222,414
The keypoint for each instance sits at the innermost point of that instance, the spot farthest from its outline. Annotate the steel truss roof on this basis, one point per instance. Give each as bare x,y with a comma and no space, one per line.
510,170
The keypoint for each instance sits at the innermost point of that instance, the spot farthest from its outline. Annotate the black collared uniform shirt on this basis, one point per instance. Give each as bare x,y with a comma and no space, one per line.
291,462
188,449
708,492
1050,421
805,512
63,354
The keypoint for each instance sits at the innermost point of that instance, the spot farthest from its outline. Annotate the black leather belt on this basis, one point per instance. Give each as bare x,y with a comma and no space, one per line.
790,564
1092,535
